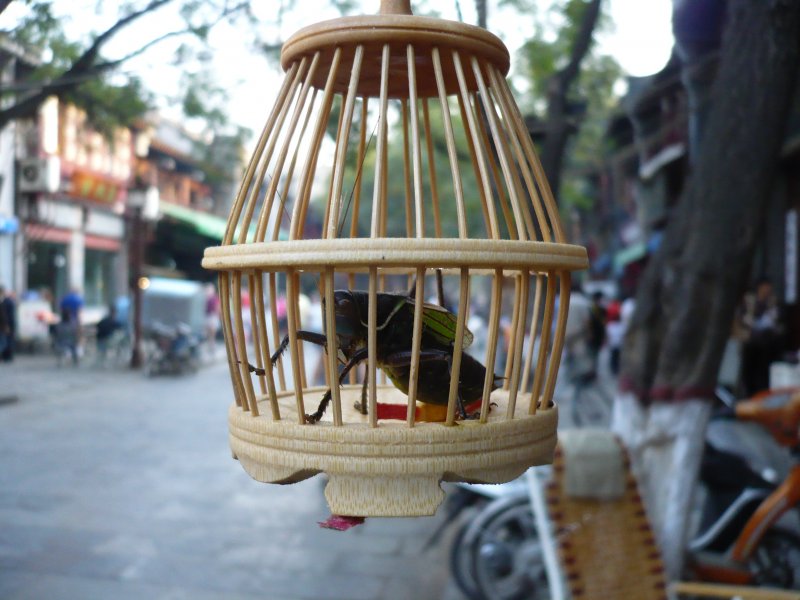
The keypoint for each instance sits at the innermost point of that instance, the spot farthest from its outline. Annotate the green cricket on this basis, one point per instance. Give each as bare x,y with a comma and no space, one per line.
395,320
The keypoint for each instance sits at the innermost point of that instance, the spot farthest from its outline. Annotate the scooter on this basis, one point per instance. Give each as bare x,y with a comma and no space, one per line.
176,351
497,551
748,535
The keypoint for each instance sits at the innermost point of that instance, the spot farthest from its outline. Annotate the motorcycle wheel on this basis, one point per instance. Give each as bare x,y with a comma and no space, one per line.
776,560
460,562
504,552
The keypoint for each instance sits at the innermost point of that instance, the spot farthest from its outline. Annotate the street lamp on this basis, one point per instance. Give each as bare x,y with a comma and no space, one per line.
143,202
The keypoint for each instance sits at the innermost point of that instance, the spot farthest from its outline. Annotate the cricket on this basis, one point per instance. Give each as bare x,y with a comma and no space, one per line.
395,319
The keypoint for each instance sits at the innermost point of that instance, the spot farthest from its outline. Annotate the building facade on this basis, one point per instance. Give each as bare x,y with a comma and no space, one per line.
71,193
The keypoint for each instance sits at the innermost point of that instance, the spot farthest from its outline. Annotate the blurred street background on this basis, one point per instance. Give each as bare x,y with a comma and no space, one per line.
669,133
115,485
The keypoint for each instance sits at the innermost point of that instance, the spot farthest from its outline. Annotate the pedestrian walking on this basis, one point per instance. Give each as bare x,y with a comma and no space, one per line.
108,330
597,326
615,331
73,304
8,325
67,337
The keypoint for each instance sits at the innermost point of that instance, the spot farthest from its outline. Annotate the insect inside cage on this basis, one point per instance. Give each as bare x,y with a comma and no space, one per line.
394,333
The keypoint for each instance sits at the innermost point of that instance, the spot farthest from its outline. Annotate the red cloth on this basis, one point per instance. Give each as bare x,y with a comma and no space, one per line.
341,522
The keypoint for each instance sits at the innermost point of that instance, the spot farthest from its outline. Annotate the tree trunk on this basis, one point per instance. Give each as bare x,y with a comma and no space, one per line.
689,292
558,126
482,10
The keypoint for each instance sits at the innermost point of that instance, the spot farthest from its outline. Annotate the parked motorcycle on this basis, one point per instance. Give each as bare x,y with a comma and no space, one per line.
174,350
748,533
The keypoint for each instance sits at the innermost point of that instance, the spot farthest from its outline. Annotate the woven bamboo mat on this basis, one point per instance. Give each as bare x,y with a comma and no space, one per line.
607,547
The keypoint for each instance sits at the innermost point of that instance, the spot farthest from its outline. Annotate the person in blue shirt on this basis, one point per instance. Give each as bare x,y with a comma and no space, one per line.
72,304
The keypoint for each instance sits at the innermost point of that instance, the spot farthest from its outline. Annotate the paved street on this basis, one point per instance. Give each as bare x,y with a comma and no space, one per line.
117,486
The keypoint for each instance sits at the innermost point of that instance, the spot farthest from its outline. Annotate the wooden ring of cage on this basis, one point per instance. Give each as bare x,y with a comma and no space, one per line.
393,470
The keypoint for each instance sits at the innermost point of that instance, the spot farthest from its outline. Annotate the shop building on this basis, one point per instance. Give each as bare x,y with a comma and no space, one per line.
72,187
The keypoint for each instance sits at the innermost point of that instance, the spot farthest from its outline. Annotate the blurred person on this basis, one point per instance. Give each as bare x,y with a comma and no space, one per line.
72,303
761,330
46,294
280,309
626,310
212,318
107,327
312,319
597,326
504,347
5,327
46,315
477,325
576,339
67,337
123,306
247,320
9,309
614,335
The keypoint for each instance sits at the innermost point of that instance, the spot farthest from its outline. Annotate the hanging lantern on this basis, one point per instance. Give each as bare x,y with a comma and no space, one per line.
431,184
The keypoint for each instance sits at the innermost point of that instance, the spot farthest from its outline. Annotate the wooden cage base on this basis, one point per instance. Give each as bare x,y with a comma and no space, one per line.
392,469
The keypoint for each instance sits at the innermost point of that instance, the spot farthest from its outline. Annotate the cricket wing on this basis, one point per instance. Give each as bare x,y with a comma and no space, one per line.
442,324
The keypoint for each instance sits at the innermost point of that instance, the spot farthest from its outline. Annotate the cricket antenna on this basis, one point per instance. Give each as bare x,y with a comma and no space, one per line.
439,288
357,180
349,200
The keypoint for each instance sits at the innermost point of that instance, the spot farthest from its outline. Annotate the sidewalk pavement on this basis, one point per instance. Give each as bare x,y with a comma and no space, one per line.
113,485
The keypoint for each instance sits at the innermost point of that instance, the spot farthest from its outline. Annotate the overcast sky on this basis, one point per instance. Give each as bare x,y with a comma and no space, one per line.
641,41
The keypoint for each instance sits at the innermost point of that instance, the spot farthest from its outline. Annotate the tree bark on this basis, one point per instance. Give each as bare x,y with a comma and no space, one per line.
689,292
558,126
482,10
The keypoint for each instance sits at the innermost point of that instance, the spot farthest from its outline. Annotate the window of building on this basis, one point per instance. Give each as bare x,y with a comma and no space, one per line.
47,269
98,282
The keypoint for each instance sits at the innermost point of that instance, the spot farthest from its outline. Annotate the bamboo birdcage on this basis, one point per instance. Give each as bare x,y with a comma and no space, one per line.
442,85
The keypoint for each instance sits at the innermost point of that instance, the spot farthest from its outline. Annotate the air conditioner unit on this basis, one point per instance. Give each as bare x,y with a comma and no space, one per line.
39,174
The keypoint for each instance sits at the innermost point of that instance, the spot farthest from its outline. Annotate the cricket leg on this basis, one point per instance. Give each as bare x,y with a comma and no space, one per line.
362,406
358,356
306,336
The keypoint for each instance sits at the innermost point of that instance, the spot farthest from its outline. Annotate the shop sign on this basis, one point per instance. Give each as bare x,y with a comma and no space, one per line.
88,186
9,225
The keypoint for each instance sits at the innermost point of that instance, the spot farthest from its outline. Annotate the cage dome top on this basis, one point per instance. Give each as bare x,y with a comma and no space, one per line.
398,29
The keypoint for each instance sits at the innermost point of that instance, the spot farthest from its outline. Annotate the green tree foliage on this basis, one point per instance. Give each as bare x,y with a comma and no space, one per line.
40,33
79,71
545,59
